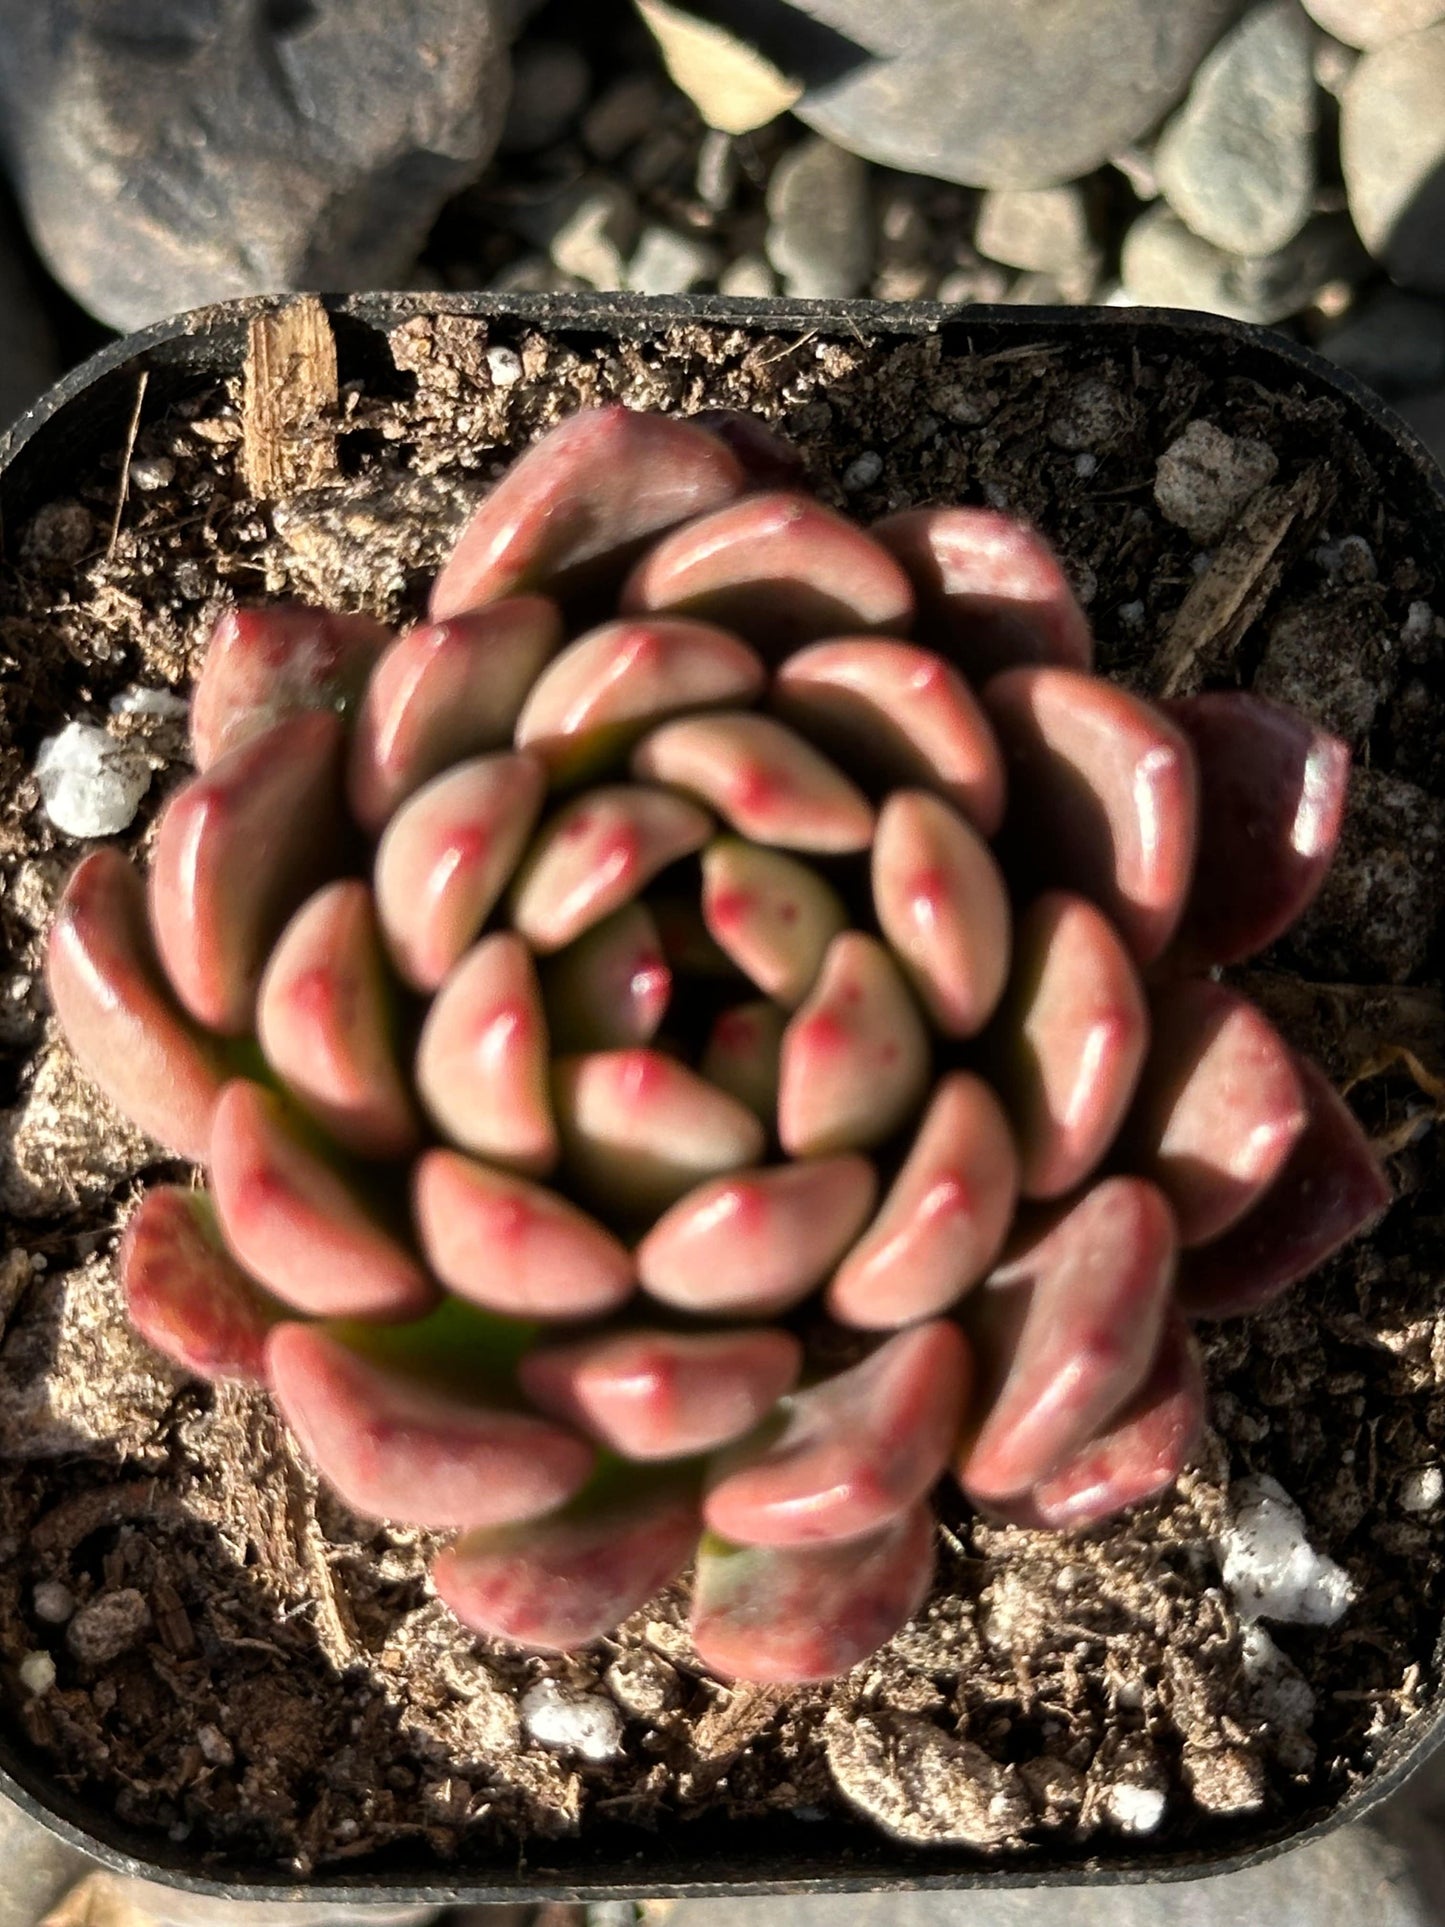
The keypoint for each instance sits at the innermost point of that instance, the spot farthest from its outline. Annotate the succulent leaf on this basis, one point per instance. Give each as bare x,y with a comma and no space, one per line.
610,988
607,687
185,1293
1066,1329
1331,1187
942,905
396,1447
778,568
743,1055
326,1019
598,853
1219,1108
1273,784
851,1452
761,778
229,869
855,1059
772,915
118,1013
990,591
482,1060
896,714
652,1394
446,857
1101,796
944,1219
295,1222
811,1612
263,665
759,1241
1068,1043
571,513
444,692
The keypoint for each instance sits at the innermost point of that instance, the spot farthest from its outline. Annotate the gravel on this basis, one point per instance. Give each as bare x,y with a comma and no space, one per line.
1392,151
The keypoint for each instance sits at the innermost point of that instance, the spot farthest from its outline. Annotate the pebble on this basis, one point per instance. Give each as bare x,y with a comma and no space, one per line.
54,1602
1205,478
749,277
1166,266
666,262
618,118
1237,162
1392,152
733,85
1028,94
1422,1488
1043,229
820,226
37,1674
108,1626
1268,1565
1370,23
279,181
574,1722
551,82
1393,340
593,233
504,365
90,784
643,1684
862,472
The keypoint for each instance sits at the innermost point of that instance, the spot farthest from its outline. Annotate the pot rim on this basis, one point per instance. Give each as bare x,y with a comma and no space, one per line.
782,1857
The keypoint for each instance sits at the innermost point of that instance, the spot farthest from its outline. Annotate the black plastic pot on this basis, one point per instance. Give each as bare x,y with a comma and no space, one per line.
86,416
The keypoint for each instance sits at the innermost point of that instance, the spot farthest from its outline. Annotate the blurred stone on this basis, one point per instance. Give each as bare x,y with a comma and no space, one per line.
1166,266
28,358
1392,151
550,85
666,262
1370,23
1028,94
115,1900
1237,162
37,1868
588,229
733,86
1045,230
620,117
748,276
185,151
1426,415
1381,901
1393,340
1205,478
820,232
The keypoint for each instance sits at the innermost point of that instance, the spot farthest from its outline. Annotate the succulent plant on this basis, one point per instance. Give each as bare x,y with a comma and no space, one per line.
711,1032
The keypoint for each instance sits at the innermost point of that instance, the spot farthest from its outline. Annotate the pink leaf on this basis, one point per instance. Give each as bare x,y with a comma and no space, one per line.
743,1055
990,591
1331,1188
611,987
774,916
296,1224
185,1293
513,1246
895,714
759,1241
851,1452
263,665
442,693
763,780
1272,788
1101,796
117,1011
768,459
229,869
779,569
1067,1328
395,1447
943,1221
794,1614
661,1394
574,509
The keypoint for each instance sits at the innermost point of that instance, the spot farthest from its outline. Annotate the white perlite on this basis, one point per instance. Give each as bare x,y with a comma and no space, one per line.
90,785
1280,1692
1133,1808
1270,1568
576,1722
140,701
1422,1488
37,1673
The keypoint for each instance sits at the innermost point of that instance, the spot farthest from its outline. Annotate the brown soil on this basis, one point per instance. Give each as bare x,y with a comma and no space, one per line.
255,1673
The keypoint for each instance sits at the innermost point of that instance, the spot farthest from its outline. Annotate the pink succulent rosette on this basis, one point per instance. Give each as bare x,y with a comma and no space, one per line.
710,1033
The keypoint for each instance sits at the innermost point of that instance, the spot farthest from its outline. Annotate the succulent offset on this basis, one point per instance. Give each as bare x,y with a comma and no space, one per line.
712,1032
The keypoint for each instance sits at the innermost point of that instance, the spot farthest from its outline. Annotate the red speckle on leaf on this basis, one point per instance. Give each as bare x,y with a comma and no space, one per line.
948,1196
580,824
927,894
824,1032
787,913
730,909
755,790
735,1030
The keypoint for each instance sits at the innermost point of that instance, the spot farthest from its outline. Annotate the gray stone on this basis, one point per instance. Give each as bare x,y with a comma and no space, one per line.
1426,415
1164,265
749,277
820,225
1205,478
28,358
35,1868
1392,151
1374,918
107,1897
588,229
1392,340
550,84
1370,23
1028,94
1045,230
733,86
172,153
666,262
1237,162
